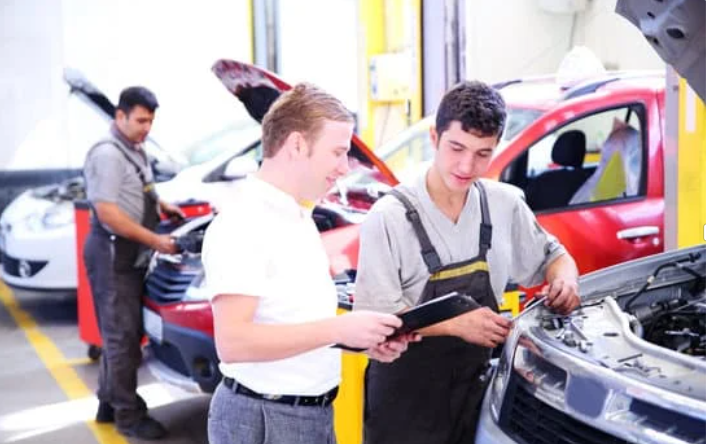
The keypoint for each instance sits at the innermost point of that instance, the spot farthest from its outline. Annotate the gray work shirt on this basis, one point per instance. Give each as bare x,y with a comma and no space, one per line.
391,272
110,177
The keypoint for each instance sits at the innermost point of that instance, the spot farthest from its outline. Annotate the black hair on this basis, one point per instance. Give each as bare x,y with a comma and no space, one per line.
478,107
137,96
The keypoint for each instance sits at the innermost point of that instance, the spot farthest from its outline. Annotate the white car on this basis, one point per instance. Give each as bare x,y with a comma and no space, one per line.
37,230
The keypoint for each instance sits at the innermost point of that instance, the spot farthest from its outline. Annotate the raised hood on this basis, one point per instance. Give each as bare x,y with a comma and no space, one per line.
676,29
257,89
83,88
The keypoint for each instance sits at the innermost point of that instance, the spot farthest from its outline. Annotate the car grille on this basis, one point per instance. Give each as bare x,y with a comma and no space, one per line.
530,421
168,282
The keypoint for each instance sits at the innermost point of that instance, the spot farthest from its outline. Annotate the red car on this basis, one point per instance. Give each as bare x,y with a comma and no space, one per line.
589,158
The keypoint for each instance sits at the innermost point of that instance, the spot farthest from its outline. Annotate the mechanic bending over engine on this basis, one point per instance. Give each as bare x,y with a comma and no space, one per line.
450,231
274,302
125,212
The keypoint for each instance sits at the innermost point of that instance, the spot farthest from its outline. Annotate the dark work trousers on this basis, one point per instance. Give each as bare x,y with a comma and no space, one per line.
117,294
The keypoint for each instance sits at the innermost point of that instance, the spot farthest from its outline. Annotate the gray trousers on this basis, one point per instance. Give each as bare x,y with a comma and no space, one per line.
117,295
234,418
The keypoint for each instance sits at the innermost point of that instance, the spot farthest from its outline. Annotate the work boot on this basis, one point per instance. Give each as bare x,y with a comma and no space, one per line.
146,428
105,413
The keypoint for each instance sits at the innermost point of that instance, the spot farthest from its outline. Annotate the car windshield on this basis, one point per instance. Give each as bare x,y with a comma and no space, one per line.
411,151
229,141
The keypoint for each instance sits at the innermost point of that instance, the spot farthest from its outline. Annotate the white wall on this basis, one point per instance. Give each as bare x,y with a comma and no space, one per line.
318,44
167,46
522,39
618,43
31,52
517,39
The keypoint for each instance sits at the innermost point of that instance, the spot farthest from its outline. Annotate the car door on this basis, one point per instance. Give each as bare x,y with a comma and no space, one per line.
591,172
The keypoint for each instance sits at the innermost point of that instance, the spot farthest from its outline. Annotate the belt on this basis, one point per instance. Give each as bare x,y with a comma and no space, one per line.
309,401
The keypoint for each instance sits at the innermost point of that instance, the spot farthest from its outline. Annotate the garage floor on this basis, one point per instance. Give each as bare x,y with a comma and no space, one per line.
47,382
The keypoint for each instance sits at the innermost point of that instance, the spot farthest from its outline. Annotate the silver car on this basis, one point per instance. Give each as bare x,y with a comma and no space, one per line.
629,366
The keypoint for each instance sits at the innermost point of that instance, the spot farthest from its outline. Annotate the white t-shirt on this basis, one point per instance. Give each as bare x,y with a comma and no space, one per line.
264,244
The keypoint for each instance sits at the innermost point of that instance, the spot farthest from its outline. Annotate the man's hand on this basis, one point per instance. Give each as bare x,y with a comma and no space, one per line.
165,244
364,329
172,211
482,327
562,295
390,350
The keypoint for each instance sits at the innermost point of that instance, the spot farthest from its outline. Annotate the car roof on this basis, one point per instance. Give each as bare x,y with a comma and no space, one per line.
546,92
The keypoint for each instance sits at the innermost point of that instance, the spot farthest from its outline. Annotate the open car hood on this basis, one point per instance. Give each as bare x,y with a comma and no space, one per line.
676,29
257,89
81,86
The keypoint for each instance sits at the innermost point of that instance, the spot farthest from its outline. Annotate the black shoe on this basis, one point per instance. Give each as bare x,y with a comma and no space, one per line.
105,413
146,428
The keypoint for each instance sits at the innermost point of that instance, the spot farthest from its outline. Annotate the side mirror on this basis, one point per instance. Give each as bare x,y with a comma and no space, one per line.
239,167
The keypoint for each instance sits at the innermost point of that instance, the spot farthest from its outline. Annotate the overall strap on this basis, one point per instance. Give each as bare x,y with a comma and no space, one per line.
138,168
429,254
486,228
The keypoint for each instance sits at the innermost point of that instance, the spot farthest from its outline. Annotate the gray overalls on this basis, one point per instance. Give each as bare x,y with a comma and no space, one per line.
431,394
116,270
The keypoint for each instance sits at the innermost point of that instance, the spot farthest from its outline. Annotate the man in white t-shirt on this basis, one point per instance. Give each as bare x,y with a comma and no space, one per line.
274,302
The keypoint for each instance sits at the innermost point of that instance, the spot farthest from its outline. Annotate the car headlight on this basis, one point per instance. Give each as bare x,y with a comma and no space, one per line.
502,373
58,216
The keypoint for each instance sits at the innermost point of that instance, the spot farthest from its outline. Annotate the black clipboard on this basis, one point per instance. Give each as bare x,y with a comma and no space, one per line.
432,312
429,313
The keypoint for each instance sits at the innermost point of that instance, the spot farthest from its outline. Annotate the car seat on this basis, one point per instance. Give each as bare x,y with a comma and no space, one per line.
554,188
618,172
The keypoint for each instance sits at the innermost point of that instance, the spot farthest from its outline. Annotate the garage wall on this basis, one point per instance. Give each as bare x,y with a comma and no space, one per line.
523,39
616,42
517,39
31,50
321,51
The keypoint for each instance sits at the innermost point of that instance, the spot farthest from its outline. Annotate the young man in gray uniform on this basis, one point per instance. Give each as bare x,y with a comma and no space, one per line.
449,231
126,209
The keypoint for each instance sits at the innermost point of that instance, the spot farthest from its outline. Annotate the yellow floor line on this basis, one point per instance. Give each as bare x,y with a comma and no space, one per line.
78,362
57,364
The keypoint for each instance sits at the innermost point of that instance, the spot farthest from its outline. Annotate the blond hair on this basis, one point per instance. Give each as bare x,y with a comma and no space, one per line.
304,108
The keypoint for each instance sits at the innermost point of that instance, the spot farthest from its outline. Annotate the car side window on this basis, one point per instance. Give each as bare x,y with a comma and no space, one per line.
597,158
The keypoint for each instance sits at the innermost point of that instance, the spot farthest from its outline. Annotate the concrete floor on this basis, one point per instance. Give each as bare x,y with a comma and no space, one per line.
47,382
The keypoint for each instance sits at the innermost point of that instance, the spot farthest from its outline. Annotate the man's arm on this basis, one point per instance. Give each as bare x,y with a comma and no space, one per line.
562,290
171,210
239,339
481,326
120,223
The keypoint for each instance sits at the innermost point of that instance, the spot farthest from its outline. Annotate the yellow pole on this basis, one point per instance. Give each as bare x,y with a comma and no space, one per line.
251,29
372,36
691,198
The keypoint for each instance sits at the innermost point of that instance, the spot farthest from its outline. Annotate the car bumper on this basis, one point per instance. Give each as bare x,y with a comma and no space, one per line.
41,260
185,357
166,374
488,431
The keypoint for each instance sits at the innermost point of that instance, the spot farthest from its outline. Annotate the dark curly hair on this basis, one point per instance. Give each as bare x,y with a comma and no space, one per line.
478,107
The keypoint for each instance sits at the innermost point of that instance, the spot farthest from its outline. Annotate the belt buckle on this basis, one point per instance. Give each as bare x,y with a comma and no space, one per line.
272,397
